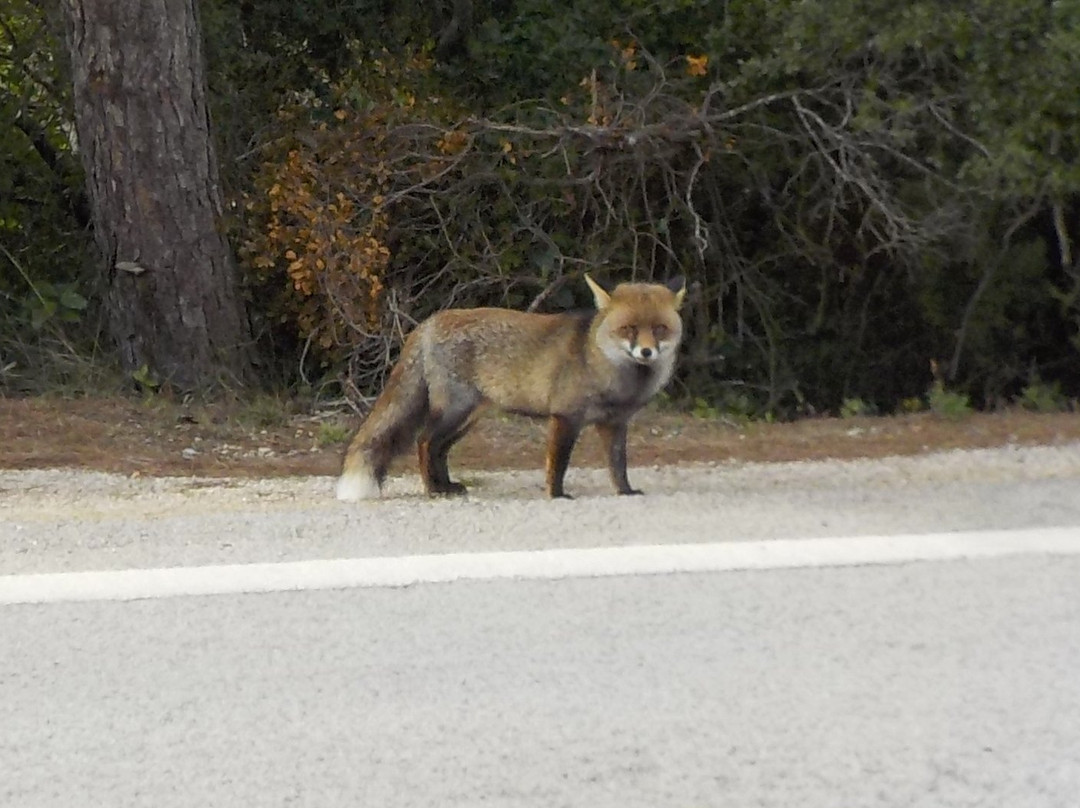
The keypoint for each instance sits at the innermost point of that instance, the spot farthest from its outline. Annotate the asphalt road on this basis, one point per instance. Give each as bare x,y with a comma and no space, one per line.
936,684
940,684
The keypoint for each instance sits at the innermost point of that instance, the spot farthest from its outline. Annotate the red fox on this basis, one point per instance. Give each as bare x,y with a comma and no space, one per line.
574,369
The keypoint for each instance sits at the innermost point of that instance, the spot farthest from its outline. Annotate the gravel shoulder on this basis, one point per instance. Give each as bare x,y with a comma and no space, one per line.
56,520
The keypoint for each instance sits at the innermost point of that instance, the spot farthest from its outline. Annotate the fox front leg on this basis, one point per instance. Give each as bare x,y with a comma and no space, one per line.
562,434
613,438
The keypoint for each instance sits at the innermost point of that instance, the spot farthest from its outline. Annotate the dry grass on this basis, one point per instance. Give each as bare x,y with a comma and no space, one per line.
159,437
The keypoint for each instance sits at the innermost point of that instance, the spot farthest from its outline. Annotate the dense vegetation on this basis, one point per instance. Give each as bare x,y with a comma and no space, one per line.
872,200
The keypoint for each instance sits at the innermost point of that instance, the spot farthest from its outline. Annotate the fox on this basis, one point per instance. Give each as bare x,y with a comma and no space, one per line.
593,368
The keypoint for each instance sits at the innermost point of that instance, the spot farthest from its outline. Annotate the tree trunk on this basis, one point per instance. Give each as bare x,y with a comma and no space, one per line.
173,300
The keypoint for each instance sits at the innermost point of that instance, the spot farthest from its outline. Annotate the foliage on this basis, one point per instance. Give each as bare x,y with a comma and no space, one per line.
44,243
947,403
854,188
264,56
911,405
855,408
317,232
332,434
264,412
332,253
827,215
1038,396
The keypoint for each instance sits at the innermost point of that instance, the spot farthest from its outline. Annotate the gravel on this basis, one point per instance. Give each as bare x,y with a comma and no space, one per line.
64,520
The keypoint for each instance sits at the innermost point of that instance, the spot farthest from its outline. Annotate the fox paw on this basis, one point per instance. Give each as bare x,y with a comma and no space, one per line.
450,489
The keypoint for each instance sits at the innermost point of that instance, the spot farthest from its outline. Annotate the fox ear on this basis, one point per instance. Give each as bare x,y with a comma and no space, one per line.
601,297
678,286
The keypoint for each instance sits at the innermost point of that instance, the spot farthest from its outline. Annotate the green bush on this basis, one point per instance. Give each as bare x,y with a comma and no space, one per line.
1043,397
947,403
856,408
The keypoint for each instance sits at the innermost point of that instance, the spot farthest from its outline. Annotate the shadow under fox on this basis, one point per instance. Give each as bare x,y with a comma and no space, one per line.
575,369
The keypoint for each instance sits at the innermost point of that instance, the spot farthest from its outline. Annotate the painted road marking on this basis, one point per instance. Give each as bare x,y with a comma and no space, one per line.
348,573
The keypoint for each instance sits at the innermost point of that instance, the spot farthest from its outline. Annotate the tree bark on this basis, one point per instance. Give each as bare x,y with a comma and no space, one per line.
173,297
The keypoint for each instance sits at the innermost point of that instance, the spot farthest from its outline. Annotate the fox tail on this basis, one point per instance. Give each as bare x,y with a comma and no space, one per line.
388,430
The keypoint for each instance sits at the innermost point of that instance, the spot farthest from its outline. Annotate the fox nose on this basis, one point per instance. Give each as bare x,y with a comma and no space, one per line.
646,353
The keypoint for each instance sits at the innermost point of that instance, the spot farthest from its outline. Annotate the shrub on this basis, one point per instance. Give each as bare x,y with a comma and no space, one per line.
946,403
1041,397
855,408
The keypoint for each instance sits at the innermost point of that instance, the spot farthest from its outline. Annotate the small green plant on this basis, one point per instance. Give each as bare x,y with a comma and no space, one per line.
703,408
947,403
1042,398
737,405
54,302
145,379
855,408
662,402
911,405
330,434
264,412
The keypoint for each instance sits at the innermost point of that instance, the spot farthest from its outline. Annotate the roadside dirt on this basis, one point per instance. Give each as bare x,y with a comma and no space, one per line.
162,438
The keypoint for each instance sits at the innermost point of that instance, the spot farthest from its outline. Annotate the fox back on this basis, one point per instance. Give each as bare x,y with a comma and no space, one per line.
543,364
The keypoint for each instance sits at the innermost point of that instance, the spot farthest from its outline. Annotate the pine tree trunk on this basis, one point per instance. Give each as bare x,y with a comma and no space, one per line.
173,299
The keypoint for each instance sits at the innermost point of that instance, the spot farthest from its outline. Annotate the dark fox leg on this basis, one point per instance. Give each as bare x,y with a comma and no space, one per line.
440,433
562,435
440,457
613,438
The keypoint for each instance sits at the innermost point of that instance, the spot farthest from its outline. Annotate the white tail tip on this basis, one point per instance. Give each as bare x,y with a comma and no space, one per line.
356,484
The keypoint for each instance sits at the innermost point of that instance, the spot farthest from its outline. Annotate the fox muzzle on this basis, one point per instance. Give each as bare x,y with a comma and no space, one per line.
644,355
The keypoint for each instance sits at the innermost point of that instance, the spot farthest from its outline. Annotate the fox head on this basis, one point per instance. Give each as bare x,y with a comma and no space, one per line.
639,322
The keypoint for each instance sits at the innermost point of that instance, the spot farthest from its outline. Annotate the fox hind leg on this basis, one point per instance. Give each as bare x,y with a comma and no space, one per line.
443,429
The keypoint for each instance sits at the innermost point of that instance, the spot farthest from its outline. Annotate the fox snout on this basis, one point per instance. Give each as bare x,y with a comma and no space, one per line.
644,354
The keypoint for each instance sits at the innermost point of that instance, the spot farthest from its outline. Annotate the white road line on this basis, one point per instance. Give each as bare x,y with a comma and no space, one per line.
135,584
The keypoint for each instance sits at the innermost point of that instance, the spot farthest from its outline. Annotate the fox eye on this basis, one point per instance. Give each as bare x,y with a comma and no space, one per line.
628,332
661,331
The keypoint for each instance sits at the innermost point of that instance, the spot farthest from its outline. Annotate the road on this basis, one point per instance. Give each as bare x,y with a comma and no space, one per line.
941,683
930,684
